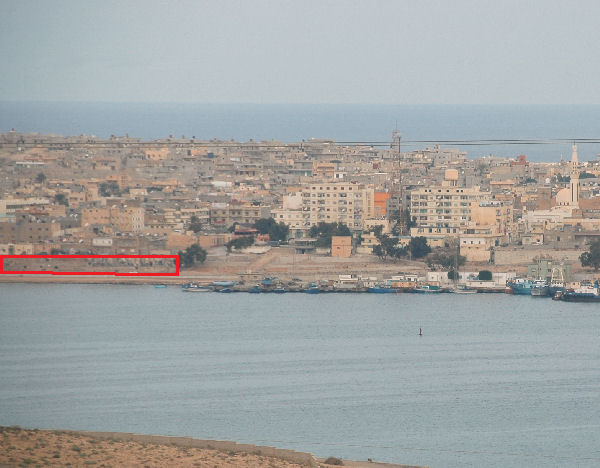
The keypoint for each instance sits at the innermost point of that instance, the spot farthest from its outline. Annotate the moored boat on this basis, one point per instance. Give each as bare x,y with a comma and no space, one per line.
191,287
224,284
428,288
540,288
381,290
585,293
461,289
520,286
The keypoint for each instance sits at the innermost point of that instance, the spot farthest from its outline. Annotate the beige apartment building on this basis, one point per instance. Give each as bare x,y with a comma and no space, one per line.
443,210
26,229
123,218
293,218
343,202
227,214
9,206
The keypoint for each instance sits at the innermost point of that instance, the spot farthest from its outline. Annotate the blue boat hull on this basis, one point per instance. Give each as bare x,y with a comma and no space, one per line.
521,288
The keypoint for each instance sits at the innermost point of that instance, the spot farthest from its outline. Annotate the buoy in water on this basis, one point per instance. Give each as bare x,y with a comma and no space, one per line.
420,332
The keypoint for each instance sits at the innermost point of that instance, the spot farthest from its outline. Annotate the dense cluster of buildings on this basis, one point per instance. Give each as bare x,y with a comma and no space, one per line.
125,195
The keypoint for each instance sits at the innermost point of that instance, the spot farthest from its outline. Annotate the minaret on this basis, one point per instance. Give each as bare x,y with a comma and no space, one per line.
574,185
574,158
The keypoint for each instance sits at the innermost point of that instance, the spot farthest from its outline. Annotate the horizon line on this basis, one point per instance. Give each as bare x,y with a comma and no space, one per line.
283,103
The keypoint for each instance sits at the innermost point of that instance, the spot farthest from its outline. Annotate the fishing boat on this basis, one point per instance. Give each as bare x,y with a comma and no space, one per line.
254,289
224,290
520,286
557,281
279,290
313,288
381,289
224,284
462,289
267,282
585,293
428,288
540,288
160,286
192,287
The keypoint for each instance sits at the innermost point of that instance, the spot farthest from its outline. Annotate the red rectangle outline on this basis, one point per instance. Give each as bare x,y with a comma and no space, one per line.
114,273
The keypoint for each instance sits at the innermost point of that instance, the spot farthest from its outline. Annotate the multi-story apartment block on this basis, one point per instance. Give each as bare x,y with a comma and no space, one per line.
9,206
122,217
227,214
332,202
443,210
293,218
27,228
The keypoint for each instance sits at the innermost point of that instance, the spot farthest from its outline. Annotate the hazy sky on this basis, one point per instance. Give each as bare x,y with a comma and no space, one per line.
400,52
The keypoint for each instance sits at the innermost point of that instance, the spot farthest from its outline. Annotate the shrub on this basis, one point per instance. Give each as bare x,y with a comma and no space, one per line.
485,275
334,461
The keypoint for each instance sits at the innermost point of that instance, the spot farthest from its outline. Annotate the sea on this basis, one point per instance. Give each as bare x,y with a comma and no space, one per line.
419,126
495,380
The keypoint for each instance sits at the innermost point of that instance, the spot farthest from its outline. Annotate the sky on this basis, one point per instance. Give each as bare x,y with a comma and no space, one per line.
256,51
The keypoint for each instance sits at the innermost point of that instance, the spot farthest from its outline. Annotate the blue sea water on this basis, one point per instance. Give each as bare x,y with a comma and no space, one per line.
289,123
496,380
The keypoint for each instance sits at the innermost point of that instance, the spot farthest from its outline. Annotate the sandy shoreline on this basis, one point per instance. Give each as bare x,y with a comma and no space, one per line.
32,447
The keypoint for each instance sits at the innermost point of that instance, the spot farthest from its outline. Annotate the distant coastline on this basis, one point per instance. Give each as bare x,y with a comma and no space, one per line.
297,122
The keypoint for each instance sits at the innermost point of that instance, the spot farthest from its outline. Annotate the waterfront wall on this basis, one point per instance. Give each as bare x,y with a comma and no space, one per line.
524,256
301,458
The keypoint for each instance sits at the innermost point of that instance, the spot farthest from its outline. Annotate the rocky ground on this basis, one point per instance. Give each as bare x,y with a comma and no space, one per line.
37,448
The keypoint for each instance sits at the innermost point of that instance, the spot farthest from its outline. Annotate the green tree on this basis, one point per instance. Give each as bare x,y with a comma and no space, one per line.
324,231
61,199
377,230
377,250
404,223
418,247
485,275
192,255
109,189
195,224
452,275
591,258
239,243
446,260
276,231
40,178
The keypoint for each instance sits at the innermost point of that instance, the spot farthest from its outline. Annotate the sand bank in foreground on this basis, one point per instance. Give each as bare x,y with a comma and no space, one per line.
44,448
